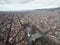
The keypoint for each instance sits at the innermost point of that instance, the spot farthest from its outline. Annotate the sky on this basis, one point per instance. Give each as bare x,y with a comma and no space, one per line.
18,5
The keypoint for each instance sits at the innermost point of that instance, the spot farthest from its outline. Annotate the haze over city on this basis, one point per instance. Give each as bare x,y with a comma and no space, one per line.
17,5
